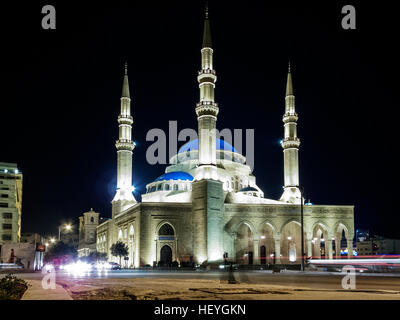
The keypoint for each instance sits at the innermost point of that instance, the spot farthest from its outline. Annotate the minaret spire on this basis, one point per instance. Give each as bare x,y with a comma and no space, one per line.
124,197
125,84
289,84
207,31
207,109
290,145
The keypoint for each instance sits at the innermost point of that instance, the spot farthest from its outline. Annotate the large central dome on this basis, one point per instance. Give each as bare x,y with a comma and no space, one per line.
194,145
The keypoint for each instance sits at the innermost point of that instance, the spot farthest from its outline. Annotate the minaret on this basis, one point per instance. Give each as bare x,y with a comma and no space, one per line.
125,147
290,145
207,109
207,193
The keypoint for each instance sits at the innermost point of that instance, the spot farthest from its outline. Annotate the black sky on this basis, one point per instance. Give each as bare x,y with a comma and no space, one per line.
60,95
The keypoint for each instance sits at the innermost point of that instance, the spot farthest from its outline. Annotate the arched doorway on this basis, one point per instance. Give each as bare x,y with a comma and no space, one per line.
244,244
319,236
166,256
266,240
131,244
166,246
291,243
263,255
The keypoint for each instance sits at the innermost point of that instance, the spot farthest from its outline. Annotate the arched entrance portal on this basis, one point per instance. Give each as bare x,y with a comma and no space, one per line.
244,244
291,243
166,256
166,245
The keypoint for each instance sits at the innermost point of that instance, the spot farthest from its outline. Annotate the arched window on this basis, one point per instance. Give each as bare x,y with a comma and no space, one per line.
176,187
167,187
159,186
166,232
91,220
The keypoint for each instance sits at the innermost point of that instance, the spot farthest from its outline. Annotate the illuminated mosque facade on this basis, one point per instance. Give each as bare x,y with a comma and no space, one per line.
207,207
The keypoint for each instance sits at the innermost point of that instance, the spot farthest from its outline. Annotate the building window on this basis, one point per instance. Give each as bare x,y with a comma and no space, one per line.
175,187
91,220
7,215
4,195
6,237
159,187
3,205
7,226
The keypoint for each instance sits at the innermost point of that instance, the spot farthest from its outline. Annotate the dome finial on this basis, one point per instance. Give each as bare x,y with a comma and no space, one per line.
126,67
289,67
206,9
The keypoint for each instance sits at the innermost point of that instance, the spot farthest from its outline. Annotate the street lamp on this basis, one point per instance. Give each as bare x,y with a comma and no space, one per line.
67,227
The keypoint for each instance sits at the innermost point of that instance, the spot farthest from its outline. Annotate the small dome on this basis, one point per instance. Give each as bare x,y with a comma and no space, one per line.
248,189
194,145
175,175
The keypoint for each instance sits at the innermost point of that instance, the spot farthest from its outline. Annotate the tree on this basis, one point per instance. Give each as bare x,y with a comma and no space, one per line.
119,249
60,250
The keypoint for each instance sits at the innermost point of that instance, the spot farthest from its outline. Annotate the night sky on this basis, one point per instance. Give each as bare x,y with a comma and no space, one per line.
60,98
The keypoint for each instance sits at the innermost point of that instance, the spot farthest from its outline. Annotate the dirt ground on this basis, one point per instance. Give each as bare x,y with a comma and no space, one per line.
195,289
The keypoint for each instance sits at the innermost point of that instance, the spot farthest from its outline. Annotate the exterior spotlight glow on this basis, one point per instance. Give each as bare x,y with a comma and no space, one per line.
289,238
52,240
16,171
68,227
280,142
46,244
262,237
5,170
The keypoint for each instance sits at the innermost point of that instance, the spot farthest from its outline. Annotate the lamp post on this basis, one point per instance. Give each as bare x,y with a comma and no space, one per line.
302,227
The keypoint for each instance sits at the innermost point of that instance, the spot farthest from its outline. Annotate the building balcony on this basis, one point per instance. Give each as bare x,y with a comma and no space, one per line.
125,119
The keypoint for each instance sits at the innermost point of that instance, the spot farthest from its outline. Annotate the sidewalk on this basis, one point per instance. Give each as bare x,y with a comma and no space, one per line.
36,292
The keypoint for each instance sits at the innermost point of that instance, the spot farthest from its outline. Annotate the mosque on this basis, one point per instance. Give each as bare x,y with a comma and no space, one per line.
207,207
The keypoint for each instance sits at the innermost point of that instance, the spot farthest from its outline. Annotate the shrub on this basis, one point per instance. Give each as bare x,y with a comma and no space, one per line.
12,288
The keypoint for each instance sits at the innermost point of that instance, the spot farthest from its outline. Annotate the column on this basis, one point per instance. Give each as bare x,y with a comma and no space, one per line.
328,247
277,249
309,247
233,246
350,246
338,241
256,250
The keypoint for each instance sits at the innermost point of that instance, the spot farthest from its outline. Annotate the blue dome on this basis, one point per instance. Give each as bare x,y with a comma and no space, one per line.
175,175
194,145
248,189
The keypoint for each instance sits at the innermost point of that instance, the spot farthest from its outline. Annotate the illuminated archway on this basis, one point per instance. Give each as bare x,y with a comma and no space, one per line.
291,243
